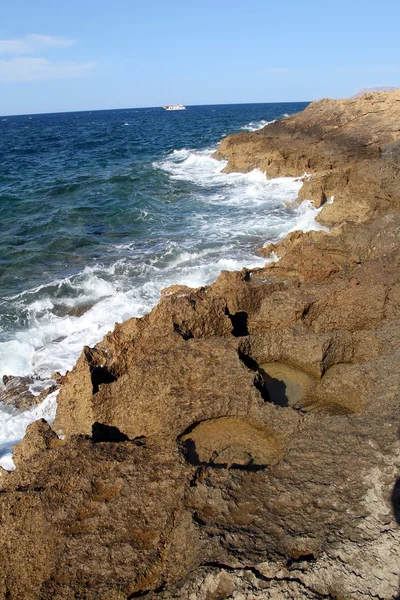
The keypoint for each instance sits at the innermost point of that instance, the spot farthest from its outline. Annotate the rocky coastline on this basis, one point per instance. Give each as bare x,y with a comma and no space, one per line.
242,439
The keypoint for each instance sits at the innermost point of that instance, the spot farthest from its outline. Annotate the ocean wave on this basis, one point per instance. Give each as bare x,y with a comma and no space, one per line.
235,189
255,126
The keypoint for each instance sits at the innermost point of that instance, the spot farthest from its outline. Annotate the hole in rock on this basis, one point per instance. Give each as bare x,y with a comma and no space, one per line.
107,433
239,322
260,379
188,448
198,520
306,311
101,375
276,389
302,558
216,461
231,442
286,385
279,383
186,335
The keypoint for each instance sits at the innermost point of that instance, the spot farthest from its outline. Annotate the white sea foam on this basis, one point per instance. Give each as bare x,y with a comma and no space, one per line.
231,188
304,218
256,125
14,423
231,214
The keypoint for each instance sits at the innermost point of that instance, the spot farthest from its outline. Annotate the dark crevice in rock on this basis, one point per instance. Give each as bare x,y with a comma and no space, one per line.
305,312
259,575
218,565
249,362
396,501
271,389
196,475
246,274
198,520
107,433
140,440
186,335
302,558
101,375
261,386
239,322
188,430
275,388
188,449
27,488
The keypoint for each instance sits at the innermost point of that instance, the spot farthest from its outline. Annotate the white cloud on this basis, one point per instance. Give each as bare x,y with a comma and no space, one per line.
51,40
32,43
19,67
40,69
14,47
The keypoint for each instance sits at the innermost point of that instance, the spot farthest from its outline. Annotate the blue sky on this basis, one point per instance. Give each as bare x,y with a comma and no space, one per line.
97,54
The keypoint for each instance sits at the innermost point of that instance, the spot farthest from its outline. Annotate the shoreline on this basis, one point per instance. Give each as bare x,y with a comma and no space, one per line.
22,391
17,392
260,410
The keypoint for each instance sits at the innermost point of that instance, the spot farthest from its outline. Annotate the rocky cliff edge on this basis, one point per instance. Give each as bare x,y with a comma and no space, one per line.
241,440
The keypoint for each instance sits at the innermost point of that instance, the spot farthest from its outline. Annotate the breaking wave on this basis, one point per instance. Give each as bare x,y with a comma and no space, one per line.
255,126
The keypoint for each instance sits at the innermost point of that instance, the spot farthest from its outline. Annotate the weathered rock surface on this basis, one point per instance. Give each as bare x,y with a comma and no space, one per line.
240,441
349,148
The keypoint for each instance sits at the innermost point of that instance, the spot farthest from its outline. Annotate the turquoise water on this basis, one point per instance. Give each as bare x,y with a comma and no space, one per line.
101,210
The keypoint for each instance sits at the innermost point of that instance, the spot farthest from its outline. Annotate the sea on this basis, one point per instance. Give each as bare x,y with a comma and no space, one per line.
102,210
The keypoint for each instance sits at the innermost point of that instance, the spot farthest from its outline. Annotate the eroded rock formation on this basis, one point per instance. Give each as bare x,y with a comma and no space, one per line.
241,440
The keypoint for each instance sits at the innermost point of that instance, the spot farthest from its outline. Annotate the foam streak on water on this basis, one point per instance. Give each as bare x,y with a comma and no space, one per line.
187,222
255,126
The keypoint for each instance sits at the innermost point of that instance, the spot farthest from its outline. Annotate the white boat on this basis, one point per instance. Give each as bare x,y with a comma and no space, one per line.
174,107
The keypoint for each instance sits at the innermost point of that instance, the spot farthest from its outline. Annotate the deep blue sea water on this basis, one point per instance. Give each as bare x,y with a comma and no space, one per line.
101,210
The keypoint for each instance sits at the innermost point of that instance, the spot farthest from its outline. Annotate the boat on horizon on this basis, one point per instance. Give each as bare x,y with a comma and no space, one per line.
174,107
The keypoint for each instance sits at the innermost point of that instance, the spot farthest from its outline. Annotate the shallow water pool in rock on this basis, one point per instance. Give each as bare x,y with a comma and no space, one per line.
285,384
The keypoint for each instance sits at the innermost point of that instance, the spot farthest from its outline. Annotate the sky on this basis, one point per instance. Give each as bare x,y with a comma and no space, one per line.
97,54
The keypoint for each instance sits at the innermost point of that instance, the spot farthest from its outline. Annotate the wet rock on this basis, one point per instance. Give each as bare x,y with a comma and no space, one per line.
61,310
17,393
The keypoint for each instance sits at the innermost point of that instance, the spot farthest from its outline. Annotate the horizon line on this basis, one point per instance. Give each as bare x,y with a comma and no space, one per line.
88,110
